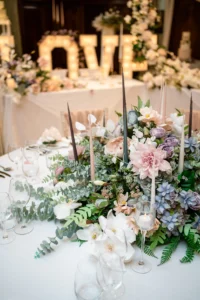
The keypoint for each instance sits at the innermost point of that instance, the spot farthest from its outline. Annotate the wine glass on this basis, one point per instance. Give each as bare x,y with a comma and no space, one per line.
5,213
110,272
19,193
32,147
145,220
86,286
15,155
30,165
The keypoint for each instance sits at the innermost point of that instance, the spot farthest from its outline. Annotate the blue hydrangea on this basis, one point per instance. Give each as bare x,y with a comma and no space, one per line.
165,190
187,199
170,221
132,118
191,144
161,204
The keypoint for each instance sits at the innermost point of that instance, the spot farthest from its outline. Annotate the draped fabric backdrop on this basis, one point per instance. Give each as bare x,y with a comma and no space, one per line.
169,11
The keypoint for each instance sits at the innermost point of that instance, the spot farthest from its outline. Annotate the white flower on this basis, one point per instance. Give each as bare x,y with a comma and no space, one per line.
98,131
149,115
61,185
162,52
11,83
118,225
64,210
147,35
50,135
147,77
80,126
158,80
138,134
177,123
127,19
92,119
151,56
90,233
129,4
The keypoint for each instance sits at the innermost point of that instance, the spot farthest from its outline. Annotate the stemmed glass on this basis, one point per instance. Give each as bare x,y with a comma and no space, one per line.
86,286
31,146
30,165
15,155
110,272
5,213
19,193
145,219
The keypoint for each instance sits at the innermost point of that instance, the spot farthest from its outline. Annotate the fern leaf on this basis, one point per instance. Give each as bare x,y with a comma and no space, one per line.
158,238
189,255
147,249
169,249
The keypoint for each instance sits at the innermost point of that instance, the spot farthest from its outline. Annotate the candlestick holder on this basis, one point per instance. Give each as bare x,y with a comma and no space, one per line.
145,220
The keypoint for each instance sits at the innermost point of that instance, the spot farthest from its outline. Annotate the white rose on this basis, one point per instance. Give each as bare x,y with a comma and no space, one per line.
147,77
150,84
129,4
158,80
127,19
147,35
162,52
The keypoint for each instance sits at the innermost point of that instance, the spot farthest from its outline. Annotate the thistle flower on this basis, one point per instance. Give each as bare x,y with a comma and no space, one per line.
170,221
191,144
187,199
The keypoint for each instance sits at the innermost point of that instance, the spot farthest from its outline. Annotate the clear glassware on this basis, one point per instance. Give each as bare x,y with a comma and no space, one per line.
5,213
19,193
15,155
145,220
31,147
30,166
110,272
86,286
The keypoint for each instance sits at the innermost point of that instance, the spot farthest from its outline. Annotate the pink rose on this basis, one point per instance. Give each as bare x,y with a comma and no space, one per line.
115,146
80,151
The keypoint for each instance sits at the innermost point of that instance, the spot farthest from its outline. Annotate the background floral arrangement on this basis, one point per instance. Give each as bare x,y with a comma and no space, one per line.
110,18
96,210
162,64
21,75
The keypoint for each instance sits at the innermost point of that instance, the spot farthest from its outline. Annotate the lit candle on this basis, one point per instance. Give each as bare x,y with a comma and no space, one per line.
62,18
163,102
92,168
182,152
145,222
190,118
120,42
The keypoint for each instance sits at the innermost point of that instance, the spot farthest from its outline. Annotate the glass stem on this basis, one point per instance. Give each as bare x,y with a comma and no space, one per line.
143,232
5,234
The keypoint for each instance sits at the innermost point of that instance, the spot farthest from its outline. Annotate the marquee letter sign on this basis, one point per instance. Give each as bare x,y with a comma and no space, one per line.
51,42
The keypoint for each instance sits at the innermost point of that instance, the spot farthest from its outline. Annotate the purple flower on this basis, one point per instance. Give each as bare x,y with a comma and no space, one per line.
171,141
170,221
187,199
196,206
168,149
158,132
161,204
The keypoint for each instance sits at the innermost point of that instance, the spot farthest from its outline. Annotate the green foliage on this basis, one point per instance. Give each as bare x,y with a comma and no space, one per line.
147,249
189,255
169,249
81,216
158,238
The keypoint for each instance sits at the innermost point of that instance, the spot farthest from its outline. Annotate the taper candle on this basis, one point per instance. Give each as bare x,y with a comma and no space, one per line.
120,42
101,54
190,117
92,167
72,134
53,11
153,185
163,102
182,151
125,140
57,14
62,15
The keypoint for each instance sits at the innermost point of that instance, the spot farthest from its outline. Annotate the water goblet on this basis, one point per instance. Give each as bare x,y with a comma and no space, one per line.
145,220
31,147
19,193
86,286
110,272
15,155
30,165
5,213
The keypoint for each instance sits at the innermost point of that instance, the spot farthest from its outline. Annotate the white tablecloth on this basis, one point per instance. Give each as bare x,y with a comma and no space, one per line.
37,112
52,277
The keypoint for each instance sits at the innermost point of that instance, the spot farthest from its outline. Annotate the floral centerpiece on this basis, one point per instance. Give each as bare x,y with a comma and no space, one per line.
162,64
110,19
103,210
